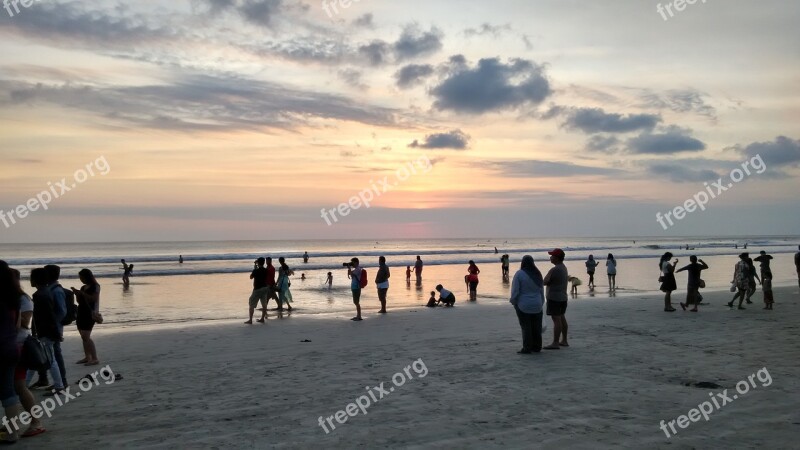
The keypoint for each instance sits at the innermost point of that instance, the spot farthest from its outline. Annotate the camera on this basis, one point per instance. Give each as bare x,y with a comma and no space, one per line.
347,264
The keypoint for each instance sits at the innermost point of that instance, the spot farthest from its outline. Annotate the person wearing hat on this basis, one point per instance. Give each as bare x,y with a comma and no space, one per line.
740,280
556,282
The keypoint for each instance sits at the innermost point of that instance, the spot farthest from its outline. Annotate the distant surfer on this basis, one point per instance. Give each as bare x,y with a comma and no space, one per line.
180,259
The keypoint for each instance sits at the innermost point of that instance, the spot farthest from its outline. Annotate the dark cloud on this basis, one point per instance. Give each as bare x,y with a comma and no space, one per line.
671,140
549,169
353,78
681,172
595,120
486,28
198,103
455,139
376,52
679,100
412,74
414,42
601,143
364,21
491,86
782,152
216,6
260,12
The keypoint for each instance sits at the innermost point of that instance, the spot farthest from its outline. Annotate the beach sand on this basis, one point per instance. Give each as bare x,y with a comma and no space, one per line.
235,386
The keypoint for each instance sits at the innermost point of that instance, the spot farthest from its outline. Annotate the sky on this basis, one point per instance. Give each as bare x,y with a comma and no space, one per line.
293,119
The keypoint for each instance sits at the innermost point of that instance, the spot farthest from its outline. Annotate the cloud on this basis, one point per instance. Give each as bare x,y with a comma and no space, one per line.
491,86
679,100
352,77
412,74
601,143
486,28
260,12
669,141
216,6
198,103
783,151
364,21
595,120
376,52
455,139
414,42
681,172
549,169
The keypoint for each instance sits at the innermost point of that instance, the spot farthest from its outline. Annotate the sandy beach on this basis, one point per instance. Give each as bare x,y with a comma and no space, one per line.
234,386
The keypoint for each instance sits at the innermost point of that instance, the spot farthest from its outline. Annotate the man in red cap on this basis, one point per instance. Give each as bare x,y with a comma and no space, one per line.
556,281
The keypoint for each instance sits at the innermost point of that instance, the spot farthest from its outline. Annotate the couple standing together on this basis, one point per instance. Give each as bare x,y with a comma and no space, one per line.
527,296
358,281
266,287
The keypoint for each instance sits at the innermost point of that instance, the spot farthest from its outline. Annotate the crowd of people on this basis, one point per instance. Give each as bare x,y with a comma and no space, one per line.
28,323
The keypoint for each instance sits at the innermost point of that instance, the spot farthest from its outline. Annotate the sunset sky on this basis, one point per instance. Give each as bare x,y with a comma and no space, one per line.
243,119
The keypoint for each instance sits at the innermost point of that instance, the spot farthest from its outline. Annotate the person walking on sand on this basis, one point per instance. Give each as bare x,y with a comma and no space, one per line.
527,296
591,265
88,298
283,285
695,282
260,290
354,272
418,269
667,279
740,280
611,270
764,261
472,280
752,276
382,282
556,282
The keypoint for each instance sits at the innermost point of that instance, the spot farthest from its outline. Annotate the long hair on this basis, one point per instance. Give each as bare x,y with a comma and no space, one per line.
529,267
87,277
9,289
665,257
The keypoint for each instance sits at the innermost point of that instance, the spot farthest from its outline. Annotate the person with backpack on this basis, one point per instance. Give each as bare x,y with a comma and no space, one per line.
358,280
46,325
382,282
527,296
60,302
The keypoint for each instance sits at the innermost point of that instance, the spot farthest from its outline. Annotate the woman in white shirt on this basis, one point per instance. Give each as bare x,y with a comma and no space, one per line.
611,269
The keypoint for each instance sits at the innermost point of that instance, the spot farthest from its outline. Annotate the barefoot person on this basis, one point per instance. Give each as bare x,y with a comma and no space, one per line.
556,282
667,279
527,296
472,280
740,280
354,272
382,282
504,260
260,290
764,261
283,285
611,270
752,276
418,269
445,296
695,270
88,298
591,265
126,273
45,324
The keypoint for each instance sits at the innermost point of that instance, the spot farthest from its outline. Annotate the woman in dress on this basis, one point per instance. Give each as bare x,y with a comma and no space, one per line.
668,283
472,280
741,280
284,294
88,298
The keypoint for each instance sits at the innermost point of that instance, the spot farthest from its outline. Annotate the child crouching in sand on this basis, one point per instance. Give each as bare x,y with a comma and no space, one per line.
766,286
575,283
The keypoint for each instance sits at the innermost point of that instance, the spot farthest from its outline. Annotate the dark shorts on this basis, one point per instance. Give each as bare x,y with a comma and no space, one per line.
556,308
450,299
356,295
473,286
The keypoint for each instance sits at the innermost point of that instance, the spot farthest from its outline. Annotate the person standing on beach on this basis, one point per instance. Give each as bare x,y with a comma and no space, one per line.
88,298
354,272
797,264
45,324
591,265
527,296
556,282
504,265
472,280
382,282
9,351
408,274
752,276
693,286
283,285
60,303
418,269
260,290
667,279
764,260
611,270
740,280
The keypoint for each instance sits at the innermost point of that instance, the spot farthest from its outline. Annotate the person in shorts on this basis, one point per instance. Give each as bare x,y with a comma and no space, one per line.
556,282
354,272
260,290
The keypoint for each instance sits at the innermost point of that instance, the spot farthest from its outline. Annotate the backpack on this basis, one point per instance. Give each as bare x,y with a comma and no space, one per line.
72,308
362,280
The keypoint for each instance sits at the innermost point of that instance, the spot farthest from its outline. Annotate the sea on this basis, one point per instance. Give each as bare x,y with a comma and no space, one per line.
212,284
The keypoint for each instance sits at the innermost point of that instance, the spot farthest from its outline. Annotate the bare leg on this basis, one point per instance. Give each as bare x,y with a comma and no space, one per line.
28,402
564,329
